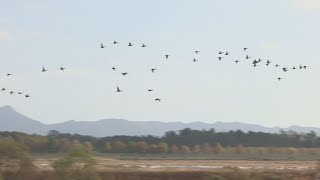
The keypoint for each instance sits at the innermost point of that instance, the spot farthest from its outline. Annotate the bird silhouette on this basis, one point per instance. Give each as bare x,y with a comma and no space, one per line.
195,60
27,95
300,67
167,56
11,92
227,53
62,68
118,89
220,52
247,57
44,70
197,52
277,65
153,70
143,45
113,68
130,44
220,58
294,68
285,69
124,74
150,90
245,49
3,89
19,93
157,99
102,46
115,42
305,67
237,61
279,78
9,74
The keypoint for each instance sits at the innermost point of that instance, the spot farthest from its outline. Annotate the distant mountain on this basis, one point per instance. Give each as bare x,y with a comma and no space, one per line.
10,120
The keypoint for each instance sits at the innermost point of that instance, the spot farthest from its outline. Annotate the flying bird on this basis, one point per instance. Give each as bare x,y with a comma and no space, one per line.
118,89
62,68
284,69
237,61
115,42
11,92
279,78
143,45
19,93
197,52
247,57
27,95
102,46
9,74
220,52
44,70
150,90
3,89
305,67
220,58
245,49
153,70
113,68
130,44
159,100
195,60
294,68
277,65
227,53
167,56
124,74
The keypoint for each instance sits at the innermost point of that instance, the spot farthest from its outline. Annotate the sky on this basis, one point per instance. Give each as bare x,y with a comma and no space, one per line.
52,34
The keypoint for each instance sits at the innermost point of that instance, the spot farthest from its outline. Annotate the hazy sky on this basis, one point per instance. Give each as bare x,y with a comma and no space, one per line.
68,33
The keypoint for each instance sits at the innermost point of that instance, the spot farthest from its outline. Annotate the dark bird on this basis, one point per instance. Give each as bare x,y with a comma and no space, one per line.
277,65
268,61
245,49
220,58
227,53
19,92
279,78
62,68
305,67
294,68
220,52
197,52
143,45
11,92
3,89
195,60
102,46
150,90
124,74
44,70
153,70
118,89
284,69
9,74
27,95
159,100
237,61
300,67
167,56
113,68
247,57
115,42
130,44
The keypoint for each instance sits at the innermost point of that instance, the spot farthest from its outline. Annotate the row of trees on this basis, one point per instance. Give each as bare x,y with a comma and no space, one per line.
186,140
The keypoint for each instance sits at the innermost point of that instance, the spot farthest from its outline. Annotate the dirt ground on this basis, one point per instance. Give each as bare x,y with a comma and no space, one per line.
177,165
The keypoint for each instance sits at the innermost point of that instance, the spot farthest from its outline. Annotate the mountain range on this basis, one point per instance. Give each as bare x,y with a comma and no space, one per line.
11,120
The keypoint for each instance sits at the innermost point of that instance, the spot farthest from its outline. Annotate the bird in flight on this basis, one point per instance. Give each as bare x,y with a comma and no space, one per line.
227,53
279,78
284,69
44,70
305,67
153,70
115,42
268,62
150,90
197,52
167,56
300,67
143,45
62,68
277,65
27,95
11,92
19,93
195,60
130,44
220,52
102,46
157,99
118,89
124,74
3,89
294,68
220,58
113,68
9,74
237,61
247,57
245,49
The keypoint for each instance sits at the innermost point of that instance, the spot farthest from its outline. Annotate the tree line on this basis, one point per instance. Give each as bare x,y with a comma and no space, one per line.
183,141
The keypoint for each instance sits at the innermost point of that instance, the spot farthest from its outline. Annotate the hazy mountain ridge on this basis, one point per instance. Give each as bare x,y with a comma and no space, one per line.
10,120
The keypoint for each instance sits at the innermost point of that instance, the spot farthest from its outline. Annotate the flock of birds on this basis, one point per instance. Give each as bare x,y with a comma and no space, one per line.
221,56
